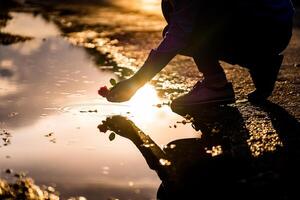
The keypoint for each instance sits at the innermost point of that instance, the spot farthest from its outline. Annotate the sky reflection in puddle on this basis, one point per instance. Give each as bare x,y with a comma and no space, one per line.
53,89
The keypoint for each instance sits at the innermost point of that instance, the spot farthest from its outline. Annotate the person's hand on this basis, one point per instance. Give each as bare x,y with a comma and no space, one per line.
121,126
123,91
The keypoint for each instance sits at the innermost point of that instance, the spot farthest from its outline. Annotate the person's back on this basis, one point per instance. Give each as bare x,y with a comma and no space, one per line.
280,10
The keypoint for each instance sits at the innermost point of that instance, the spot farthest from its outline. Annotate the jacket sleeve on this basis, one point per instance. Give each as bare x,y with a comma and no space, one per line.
176,39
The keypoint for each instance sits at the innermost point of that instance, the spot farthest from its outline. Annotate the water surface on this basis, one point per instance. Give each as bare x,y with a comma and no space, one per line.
49,103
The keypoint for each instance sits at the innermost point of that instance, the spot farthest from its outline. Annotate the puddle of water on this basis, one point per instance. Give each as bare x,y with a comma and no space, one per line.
50,105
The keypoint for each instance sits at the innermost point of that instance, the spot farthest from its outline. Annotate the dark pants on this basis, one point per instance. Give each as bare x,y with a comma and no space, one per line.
251,43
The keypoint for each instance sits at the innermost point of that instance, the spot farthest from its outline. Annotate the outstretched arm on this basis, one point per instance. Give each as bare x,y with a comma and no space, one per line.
155,157
174,41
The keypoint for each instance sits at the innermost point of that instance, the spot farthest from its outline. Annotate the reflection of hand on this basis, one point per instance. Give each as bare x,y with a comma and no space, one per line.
121,126
123,91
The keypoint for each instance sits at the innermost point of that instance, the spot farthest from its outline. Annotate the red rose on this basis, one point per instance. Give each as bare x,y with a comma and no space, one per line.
103,91
102,128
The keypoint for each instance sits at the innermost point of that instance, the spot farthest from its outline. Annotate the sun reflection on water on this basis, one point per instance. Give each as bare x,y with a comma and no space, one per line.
143,102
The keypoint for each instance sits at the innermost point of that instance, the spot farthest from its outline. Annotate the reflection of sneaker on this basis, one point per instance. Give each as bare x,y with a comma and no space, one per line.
201,94
264,77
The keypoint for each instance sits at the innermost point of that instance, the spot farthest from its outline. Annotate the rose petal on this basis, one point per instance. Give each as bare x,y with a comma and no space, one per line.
103,128
103,91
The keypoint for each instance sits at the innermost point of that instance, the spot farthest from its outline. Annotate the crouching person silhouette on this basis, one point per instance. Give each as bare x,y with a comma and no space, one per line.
251,33
186,170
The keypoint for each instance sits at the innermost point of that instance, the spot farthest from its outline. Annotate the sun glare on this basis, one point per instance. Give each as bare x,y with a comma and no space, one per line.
145,97
144,100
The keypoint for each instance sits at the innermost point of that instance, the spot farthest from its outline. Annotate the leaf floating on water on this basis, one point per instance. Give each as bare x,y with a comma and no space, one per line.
113,82
51,137
49,134
112,136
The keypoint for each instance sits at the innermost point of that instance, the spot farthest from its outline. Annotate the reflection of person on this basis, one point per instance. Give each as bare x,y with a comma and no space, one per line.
252,33
184,166
218,165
